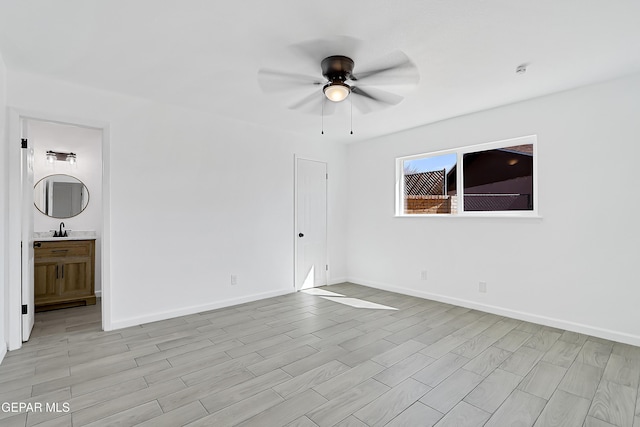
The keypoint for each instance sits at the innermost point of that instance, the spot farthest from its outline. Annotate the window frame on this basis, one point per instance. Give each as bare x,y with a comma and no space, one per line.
460,152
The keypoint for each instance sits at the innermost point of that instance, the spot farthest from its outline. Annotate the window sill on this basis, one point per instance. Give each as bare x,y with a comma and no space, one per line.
493,215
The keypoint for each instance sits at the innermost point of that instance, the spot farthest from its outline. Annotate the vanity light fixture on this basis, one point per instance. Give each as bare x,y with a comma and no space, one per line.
52,156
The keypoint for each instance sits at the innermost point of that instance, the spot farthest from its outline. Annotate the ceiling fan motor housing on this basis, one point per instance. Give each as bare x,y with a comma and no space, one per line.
337,68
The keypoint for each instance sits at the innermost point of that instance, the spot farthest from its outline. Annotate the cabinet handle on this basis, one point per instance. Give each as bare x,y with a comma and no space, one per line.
60,250
63,271
57,272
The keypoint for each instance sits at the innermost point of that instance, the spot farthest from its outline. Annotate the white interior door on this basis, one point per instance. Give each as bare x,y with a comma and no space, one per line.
27,238
311,224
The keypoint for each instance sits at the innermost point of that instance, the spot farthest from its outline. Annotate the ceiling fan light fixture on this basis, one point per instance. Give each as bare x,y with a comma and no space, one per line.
336,91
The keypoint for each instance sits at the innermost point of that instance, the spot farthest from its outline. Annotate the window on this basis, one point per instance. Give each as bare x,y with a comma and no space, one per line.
427,184
497,178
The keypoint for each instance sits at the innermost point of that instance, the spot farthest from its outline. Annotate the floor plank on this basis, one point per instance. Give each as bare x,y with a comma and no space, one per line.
346,403
581,380
417,414
614,403
464,415
493,390
520,408
542,380
449,392
386,407
564,410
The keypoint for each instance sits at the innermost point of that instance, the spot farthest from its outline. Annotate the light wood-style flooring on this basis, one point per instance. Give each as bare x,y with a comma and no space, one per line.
303,360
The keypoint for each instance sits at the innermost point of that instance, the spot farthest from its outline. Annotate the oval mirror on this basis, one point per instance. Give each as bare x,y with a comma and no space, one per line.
60,196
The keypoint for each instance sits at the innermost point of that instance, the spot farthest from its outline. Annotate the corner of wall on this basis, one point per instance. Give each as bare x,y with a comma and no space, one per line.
3,208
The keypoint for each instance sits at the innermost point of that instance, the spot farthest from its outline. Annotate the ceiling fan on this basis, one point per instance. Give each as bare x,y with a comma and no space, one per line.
338,79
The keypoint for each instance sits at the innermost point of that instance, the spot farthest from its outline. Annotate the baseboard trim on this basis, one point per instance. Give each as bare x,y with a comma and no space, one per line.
336,280
98,294
135,321
502,311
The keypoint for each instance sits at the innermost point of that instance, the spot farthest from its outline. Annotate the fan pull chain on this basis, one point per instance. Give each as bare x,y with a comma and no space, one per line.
351,100
322,117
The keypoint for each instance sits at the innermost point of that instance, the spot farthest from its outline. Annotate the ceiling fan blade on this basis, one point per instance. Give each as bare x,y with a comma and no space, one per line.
395,68
313,104
315,96
275,80
373,99
378,95
314,51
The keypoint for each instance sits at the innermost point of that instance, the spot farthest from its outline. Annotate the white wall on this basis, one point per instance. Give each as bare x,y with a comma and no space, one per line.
194,198
575,268
86,143
4,214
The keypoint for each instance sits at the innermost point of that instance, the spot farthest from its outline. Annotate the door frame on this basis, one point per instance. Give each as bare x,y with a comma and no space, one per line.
295,219
14,267
26,247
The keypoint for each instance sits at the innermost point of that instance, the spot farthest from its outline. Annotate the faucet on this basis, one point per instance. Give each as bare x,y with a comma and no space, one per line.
60,233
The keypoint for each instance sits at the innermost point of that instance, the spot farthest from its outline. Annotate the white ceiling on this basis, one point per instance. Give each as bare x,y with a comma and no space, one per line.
205,54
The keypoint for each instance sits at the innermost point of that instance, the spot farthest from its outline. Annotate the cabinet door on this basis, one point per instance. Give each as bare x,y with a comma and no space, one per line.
75,279
45,281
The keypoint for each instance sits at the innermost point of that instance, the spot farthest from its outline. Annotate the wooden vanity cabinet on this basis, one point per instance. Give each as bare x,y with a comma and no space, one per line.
64,272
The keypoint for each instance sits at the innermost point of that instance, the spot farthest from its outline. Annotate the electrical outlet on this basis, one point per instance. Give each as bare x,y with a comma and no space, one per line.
482,287
234,279
423,275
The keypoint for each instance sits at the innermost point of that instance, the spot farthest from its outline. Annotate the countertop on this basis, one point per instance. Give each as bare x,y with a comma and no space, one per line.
47,236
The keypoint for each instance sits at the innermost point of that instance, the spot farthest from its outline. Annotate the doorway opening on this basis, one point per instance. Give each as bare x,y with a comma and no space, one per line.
67,200
73,274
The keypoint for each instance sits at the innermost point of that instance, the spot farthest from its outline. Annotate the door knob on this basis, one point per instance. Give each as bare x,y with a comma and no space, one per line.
300,235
